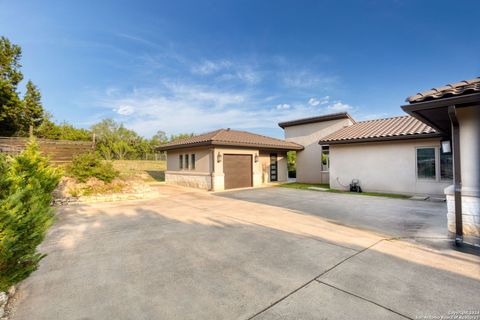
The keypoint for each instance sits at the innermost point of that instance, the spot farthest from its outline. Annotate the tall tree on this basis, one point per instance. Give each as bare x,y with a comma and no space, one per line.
33,113
10,77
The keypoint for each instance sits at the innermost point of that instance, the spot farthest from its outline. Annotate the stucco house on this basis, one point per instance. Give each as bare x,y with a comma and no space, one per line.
396,155
227,159
434,150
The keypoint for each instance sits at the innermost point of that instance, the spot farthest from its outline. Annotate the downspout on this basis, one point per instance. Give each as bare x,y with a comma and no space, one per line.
457,178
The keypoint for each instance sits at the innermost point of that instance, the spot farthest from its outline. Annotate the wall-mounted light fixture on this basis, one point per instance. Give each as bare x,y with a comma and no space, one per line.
446,146
219,157
256,158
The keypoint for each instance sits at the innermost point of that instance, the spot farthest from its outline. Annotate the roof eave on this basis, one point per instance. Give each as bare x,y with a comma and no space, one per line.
328,117
380,139
229,144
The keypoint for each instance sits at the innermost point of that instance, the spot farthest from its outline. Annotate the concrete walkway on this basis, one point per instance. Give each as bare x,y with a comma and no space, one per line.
193,255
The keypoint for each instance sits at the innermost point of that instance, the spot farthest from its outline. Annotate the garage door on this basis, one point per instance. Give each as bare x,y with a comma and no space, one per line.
238,170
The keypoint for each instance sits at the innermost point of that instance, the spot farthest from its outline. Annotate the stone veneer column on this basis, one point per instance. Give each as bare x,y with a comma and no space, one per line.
469,121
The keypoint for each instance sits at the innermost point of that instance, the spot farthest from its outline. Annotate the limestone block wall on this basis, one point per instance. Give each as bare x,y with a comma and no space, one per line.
189,179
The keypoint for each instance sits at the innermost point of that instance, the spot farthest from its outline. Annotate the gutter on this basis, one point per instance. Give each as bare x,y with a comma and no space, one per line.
457,179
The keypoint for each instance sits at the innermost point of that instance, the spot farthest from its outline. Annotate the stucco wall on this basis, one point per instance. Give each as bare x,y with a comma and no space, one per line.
200,177
202,159
282,170
383,166
309,166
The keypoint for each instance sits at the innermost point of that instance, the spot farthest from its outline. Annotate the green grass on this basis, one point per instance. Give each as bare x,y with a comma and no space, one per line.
154,169
306,186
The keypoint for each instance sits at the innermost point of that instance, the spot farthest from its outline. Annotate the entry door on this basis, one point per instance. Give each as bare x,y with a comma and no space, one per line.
237,169
273,167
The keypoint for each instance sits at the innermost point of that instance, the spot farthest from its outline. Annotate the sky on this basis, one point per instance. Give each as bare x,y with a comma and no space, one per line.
195,66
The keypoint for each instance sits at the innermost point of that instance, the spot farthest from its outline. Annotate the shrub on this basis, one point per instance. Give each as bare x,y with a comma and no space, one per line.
26,184
87,165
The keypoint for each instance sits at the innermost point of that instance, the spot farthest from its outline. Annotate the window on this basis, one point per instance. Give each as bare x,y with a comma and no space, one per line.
446,168
180,161
193,161
325,158
186,161
273,167
426,163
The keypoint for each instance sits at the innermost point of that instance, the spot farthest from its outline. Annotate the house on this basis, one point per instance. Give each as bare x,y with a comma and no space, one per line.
454,110
395,155
227,159
424,152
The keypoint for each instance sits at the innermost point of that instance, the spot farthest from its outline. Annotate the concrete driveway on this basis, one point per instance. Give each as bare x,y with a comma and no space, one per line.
423,221
192,255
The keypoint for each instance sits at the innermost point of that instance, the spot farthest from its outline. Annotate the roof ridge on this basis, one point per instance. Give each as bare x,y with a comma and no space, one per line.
217,133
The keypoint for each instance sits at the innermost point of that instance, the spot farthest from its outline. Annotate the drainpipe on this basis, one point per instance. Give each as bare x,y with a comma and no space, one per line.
457,178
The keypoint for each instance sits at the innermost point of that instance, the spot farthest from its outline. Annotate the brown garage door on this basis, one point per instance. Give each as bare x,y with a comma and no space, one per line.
238,170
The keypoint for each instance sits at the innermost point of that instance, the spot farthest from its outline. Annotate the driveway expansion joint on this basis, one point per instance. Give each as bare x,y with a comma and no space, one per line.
314,279
364,299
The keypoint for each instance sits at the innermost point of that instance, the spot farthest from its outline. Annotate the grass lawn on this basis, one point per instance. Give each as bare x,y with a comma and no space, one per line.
307,186
155,170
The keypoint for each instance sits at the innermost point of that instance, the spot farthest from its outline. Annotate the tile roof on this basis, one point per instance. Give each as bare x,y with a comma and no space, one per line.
452,89
326,117
396,128
228,137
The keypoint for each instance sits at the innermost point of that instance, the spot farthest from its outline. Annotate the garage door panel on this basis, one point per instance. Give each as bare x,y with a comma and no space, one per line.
237,169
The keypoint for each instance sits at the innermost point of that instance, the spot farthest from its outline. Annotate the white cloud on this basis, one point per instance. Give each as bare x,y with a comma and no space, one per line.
124,110
208,67
304,79
283,106
339,106
315,102
175,108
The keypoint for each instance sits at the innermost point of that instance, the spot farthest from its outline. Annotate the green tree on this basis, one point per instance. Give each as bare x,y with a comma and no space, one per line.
10,77
33,113
27,182
180,136
159,138
114,141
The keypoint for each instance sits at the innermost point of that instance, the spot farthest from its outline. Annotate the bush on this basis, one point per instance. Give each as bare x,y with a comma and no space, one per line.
87,165
26,184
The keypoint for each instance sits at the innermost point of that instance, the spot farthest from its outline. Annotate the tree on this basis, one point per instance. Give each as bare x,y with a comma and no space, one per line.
27,182
159,138
114,141
180,136
33,113
10,77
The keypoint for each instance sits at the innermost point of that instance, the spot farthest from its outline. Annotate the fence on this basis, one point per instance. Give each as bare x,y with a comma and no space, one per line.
57,150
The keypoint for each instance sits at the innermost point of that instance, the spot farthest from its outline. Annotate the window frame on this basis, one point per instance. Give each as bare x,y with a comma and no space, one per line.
192,161
436,162
180,161
187,162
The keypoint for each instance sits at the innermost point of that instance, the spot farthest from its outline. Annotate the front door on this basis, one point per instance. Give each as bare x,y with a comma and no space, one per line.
273,167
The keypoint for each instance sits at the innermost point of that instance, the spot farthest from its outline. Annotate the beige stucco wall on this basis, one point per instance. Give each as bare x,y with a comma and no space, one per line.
200,177
388,166
282,170
469,122
202,159
309,166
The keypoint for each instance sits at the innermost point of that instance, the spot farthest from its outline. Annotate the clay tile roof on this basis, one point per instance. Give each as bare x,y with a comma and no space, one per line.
395,128
452,89
227,137
326,117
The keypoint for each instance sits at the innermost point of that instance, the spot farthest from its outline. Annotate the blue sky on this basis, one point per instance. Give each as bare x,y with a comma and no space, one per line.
194,66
